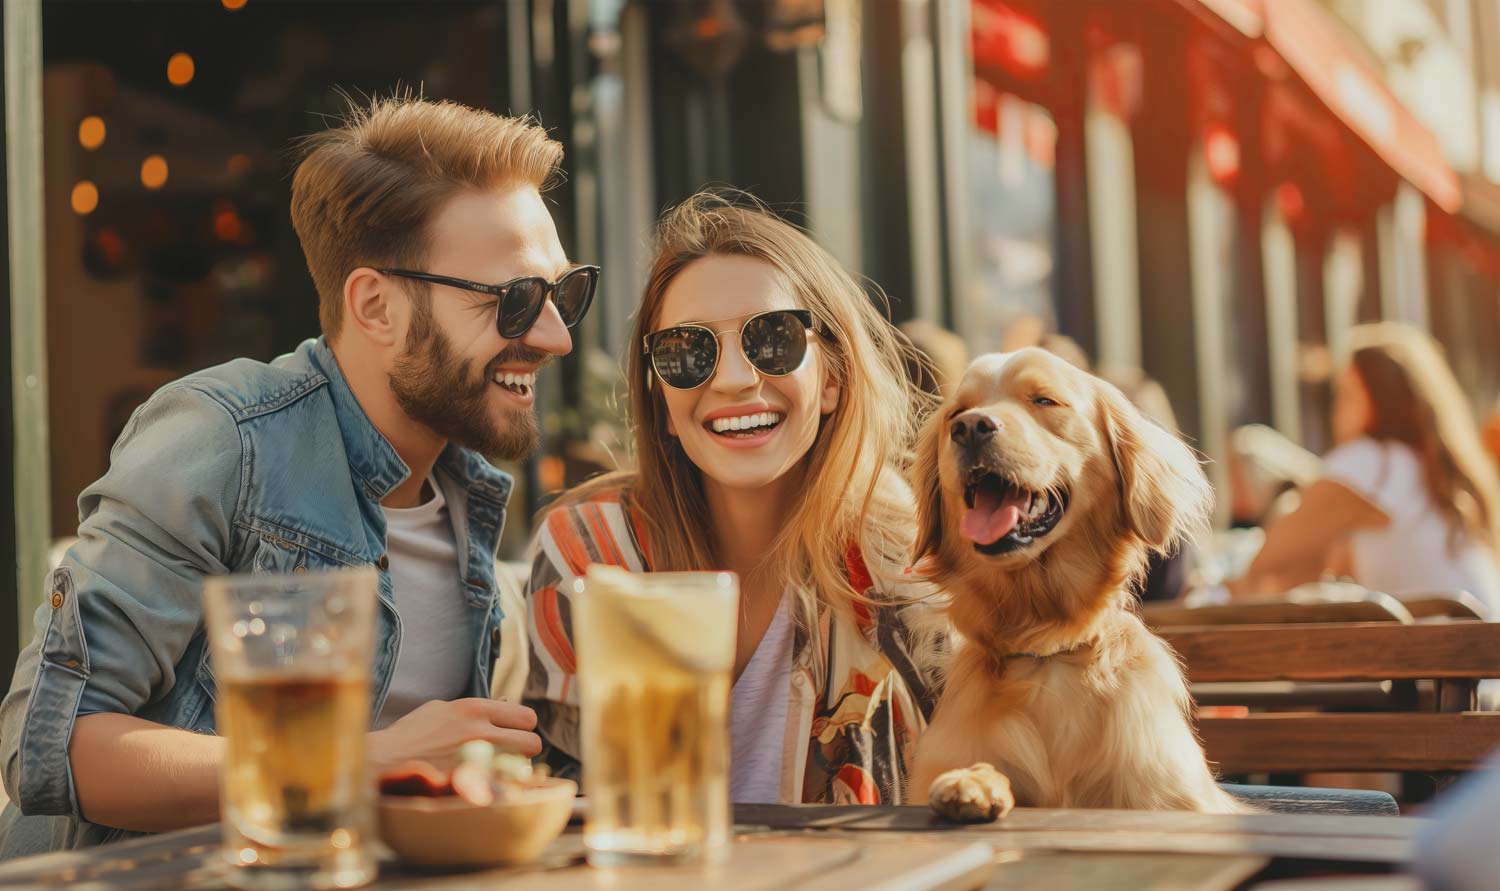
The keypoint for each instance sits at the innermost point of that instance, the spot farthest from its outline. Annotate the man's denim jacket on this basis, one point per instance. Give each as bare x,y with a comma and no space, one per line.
243,468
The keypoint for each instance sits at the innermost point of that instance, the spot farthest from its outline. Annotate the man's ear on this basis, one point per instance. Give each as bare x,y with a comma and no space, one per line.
374,307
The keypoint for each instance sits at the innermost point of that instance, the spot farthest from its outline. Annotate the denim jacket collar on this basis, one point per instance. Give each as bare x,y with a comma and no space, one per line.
376,464
372,459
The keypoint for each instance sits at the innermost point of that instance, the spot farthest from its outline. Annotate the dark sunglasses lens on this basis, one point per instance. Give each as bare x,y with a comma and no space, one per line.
573,295
684,357
520,307
775,343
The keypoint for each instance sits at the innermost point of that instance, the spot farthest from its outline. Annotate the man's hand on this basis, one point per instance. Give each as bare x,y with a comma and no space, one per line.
433,731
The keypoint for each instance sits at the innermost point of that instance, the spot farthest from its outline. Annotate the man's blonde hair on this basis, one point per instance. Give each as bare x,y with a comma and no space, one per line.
366,191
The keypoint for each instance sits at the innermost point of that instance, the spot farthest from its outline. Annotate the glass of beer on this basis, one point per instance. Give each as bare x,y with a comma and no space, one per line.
291,657
655,654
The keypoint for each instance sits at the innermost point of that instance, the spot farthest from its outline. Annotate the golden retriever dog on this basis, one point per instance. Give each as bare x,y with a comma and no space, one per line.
1041,492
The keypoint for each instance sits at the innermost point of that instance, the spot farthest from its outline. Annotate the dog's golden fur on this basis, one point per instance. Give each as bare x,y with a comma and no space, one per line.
1055,680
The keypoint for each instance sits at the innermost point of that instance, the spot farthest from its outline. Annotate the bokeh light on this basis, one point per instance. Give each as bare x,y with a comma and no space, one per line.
85,197
91,132
180,69
154,172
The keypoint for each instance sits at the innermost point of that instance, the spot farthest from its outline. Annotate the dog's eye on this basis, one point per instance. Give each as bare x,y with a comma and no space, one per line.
1043,400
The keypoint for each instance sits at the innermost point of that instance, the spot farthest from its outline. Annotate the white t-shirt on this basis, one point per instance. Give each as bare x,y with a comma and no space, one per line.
1418,552
437,654
757,709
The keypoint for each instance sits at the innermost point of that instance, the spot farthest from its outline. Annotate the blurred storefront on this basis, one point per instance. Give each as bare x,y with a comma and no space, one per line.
1227,187
1211,190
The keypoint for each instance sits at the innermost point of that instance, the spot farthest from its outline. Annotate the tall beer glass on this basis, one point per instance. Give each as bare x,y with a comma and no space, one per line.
291,657
655,653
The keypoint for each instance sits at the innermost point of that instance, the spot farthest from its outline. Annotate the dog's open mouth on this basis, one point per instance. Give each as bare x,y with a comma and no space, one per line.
1003,517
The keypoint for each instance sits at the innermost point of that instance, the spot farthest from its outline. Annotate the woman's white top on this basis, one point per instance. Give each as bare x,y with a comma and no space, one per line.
758,706
1419,551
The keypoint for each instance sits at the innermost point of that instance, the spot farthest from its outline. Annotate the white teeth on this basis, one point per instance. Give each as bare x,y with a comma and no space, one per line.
513,379
745,422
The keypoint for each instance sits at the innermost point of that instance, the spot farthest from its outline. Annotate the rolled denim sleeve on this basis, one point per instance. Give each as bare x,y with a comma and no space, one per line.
122,607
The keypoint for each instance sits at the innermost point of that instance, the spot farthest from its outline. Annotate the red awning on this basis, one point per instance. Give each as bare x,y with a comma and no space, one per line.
1316,46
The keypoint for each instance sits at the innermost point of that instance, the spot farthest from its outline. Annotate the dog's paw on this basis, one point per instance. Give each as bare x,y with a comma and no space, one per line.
975,794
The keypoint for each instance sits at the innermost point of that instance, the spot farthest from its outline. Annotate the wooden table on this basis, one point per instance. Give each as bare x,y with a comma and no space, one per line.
866,848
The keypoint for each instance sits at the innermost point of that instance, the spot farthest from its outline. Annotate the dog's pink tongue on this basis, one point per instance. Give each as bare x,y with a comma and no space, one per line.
992,517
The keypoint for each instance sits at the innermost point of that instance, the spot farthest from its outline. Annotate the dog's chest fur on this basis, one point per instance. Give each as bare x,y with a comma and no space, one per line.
1104,727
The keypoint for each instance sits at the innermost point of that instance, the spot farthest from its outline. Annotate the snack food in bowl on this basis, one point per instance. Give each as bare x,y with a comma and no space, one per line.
492,810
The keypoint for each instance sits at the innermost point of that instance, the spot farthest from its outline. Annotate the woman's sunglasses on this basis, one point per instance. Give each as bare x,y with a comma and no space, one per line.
775,343
522,299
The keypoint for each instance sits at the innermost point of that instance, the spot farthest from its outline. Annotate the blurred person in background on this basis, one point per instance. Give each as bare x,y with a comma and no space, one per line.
1067,349
1408,501
945,353
773,416
1266,472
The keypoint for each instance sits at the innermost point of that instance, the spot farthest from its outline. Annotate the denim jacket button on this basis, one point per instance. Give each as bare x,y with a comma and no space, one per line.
57,598
383,562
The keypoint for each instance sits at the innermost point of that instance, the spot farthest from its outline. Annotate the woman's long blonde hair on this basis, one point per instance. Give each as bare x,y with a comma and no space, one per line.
854,491
1417,401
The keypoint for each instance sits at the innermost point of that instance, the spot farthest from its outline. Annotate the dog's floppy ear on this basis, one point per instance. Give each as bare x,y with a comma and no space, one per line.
1166,497
926,486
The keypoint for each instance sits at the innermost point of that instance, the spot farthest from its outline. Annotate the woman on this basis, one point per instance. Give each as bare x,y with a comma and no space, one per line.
771,414
1408,503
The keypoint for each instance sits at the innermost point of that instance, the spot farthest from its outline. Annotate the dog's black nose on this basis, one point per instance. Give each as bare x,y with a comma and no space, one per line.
972,428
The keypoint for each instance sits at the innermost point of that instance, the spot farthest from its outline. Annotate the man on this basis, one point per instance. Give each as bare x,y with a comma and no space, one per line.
361,448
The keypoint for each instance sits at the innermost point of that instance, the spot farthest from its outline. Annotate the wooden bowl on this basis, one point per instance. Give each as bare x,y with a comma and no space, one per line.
449,831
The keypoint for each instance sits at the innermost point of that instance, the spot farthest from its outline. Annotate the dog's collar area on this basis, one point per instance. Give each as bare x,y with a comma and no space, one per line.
1042,657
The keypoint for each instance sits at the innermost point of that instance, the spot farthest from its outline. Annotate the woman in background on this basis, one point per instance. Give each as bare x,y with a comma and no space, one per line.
1408,502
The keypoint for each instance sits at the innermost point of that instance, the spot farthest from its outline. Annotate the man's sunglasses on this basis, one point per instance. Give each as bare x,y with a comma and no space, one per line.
775,343
522,299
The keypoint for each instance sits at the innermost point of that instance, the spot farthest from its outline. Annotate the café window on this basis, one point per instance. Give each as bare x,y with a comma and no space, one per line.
1011,149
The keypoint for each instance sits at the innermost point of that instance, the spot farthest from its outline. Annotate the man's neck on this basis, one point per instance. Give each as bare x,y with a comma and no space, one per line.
418,447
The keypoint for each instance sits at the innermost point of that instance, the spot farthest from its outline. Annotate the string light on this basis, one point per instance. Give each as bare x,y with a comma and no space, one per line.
85,198
232,5
91,132
180,69
154,172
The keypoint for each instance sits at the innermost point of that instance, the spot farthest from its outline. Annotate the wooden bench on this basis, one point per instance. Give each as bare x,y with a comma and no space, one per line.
1346,605
1460,605
1448,736
1374,607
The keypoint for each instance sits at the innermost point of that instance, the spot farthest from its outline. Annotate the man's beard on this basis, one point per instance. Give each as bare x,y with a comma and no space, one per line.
437,389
